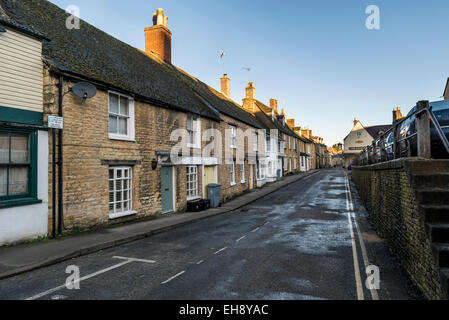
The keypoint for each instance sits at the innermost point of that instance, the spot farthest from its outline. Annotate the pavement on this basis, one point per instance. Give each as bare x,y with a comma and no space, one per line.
309,240
27,257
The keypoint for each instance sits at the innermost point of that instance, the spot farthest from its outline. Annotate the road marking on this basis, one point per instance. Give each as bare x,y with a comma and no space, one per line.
374,294
134,259
255,230
221,250
238,240
266,223
200,262
45,293
172,278
355,256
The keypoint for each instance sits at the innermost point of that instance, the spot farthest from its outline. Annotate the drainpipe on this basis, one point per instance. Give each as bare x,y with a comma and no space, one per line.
60,172
53,187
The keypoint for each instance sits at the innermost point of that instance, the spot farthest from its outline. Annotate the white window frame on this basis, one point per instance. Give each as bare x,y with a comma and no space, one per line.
196,129
118,214
255,142
192,172
295,165
242,174
268,143
233,137
261,170
130,119
232,173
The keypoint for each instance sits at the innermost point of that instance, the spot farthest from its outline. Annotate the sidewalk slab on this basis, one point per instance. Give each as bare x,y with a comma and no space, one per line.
27,257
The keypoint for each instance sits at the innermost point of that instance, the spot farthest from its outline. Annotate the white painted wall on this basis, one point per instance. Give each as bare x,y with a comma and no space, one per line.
29,222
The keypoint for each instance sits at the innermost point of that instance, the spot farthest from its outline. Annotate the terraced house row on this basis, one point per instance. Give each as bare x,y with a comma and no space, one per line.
114,158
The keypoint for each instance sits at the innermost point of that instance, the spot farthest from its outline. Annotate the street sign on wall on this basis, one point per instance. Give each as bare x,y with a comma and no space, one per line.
55,122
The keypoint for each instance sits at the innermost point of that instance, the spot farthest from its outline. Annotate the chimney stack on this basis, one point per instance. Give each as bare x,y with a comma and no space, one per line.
249,103
355,122
226,86
291,123
274,105
397,114
250,91
158,37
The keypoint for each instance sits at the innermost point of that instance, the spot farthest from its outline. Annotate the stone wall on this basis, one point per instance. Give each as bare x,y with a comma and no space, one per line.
88,150
389,197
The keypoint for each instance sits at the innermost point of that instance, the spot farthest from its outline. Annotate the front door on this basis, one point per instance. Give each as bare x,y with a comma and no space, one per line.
167,189
209,177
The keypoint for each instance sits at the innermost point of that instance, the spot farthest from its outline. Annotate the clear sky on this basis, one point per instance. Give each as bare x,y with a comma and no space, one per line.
316,57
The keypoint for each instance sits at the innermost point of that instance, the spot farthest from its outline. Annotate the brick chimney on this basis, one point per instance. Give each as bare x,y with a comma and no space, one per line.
158,37
355,122
226,86
249,103
274,105
397,114
291,123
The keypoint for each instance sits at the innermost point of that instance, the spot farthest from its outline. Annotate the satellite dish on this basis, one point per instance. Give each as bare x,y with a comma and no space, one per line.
84,90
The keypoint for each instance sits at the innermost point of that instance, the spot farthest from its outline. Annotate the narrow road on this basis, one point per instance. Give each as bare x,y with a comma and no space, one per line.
302,242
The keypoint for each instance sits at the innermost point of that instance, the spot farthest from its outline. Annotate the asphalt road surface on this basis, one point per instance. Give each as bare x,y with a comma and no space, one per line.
309,240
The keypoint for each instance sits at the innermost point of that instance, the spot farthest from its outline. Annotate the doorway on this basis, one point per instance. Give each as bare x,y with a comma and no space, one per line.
167,183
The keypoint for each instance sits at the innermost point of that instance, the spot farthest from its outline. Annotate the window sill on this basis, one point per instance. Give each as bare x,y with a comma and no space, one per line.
233,184
193,198
121,138
19,203
122,214
193,146
243,182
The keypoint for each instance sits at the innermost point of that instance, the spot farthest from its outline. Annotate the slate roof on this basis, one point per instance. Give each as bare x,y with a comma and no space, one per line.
92,53
5,19
374,130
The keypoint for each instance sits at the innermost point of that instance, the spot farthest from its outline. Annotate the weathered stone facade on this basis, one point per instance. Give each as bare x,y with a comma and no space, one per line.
88,152
389,196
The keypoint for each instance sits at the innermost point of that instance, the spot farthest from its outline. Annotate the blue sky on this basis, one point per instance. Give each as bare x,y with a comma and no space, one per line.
316,57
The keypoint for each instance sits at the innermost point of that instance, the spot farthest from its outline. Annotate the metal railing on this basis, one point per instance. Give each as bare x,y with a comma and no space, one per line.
378,151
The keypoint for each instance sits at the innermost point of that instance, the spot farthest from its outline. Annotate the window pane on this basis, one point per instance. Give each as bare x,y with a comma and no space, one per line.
18,181
4,147
113,124
19,148
113,103
124,106
123,126
3,181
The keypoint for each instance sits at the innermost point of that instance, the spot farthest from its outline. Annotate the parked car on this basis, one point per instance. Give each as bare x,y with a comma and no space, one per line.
408,137
389,146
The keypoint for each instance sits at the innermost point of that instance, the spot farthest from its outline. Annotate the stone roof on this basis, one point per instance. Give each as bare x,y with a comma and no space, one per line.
95,55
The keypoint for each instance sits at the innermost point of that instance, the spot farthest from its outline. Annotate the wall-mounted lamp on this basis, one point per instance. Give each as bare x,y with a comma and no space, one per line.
154,164
2,30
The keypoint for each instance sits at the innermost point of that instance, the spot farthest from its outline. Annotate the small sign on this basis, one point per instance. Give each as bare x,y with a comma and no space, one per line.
55,122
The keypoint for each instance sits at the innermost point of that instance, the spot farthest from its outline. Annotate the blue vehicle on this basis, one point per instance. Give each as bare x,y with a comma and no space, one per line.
408,136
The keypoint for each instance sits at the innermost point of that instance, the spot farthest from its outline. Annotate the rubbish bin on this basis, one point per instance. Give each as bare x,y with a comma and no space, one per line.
214,194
